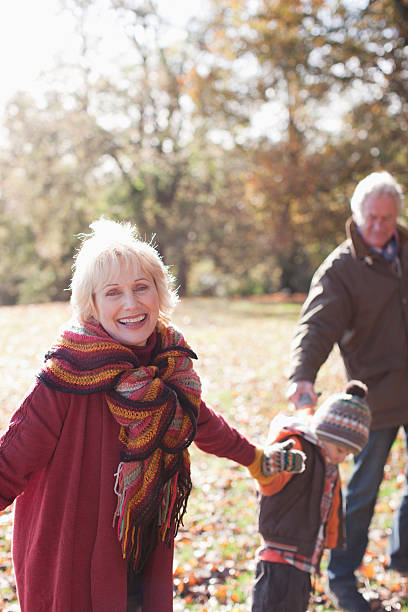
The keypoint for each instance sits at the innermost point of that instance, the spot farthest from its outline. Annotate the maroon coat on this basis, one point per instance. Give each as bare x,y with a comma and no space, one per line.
58,458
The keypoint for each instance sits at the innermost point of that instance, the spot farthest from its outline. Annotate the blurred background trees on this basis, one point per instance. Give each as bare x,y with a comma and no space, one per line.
235,145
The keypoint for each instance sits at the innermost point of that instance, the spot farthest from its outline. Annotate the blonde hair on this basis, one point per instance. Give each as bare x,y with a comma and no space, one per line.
376,183
102,252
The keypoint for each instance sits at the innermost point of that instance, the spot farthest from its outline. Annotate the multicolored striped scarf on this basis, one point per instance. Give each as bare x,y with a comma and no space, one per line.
156,407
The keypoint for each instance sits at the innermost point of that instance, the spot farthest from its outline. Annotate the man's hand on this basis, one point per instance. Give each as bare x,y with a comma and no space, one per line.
280,458
303,396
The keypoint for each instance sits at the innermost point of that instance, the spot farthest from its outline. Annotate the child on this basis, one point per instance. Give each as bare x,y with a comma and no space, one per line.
301,513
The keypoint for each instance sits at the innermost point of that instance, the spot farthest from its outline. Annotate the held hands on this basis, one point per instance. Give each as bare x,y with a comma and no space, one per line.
280,458
275,459
303,396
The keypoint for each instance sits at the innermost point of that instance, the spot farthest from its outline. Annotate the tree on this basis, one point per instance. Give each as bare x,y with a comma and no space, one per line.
47,181
167,134
125,144
154,137
302,61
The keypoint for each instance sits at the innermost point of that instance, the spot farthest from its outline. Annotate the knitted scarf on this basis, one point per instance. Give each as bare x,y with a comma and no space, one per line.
156,407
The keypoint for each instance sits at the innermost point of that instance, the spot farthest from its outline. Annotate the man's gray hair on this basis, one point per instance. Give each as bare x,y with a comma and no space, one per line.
378,183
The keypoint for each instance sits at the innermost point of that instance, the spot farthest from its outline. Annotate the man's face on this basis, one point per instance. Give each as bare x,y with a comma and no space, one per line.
379,214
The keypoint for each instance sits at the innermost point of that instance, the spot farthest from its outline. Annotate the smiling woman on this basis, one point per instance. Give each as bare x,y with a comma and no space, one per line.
121,283
127,307
100,446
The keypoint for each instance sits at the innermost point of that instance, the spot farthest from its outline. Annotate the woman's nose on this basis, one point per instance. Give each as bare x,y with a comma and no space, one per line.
130,299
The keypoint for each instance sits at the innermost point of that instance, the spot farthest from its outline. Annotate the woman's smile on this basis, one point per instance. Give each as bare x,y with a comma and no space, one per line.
133,320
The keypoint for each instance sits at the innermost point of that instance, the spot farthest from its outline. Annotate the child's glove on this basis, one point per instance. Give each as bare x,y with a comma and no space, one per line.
275,459
280,458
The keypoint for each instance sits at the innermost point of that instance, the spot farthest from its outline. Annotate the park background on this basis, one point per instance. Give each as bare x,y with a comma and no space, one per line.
233,134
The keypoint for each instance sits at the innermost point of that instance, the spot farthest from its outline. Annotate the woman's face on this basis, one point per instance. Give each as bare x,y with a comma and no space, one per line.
127,306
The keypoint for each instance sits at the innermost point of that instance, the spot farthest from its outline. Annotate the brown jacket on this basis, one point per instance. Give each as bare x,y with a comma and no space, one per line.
289,515
359,301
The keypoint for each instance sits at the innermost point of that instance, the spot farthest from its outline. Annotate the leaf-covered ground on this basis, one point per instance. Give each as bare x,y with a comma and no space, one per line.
243,355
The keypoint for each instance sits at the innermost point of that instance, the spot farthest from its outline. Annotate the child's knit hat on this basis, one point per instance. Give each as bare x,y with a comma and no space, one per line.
344,419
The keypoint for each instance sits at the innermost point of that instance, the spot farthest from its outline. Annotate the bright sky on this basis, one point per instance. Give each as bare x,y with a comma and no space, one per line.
33,33
30,32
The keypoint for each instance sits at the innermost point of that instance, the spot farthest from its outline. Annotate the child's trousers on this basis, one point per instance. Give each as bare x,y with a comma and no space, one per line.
280,588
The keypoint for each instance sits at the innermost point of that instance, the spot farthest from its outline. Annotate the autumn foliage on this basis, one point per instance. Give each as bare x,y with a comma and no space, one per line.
243,350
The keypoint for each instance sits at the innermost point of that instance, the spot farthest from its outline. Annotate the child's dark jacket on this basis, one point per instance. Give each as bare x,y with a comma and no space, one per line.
289,508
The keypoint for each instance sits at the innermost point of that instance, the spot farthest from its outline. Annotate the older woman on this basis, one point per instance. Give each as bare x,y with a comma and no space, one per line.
97,455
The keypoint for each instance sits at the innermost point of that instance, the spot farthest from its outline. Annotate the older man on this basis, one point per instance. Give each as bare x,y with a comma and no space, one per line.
358,299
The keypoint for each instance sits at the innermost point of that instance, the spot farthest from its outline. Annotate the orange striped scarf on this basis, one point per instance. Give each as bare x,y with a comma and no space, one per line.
157,408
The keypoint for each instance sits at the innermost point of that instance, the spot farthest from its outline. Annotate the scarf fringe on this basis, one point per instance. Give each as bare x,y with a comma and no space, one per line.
138,540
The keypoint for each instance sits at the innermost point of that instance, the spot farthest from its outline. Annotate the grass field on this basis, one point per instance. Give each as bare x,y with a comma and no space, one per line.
243,348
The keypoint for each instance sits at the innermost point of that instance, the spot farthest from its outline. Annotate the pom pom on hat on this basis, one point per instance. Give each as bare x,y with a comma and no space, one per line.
345,418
